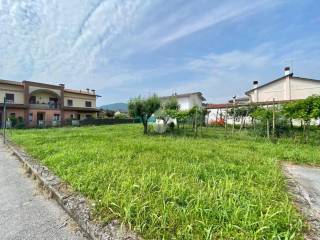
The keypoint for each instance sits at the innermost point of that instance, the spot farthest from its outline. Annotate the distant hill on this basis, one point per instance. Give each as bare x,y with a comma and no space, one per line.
123,107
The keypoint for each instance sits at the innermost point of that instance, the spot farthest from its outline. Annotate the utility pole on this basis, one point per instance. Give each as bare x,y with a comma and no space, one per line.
196,122
273,119
4,119
226,119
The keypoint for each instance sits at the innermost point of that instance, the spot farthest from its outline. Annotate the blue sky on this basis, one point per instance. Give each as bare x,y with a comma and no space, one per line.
138,47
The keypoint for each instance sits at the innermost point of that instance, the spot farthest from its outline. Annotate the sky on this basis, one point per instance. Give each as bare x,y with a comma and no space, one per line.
129,48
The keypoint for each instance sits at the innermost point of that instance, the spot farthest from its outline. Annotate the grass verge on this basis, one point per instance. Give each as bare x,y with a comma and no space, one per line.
167,187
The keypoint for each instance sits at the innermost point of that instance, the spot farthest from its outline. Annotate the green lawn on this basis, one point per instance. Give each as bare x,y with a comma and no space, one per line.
168,187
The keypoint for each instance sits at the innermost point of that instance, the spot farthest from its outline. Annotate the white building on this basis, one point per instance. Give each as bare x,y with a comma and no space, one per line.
285,88
281,90
187,100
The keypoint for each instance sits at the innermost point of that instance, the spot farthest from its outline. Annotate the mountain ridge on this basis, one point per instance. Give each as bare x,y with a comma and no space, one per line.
122,107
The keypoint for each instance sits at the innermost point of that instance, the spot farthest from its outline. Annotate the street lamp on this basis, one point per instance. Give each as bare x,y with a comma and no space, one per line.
4,119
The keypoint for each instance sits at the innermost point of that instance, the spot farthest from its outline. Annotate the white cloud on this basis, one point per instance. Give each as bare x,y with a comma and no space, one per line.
220,76
94,44
229,11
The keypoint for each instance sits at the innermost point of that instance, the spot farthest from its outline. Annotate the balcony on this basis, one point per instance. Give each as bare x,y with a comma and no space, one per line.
45,105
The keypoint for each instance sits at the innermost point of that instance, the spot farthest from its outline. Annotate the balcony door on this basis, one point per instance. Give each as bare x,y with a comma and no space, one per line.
53,102
40,118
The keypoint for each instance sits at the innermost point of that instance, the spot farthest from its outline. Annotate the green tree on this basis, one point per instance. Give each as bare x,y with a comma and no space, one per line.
168,110
197,114
144,108
315,113
171,104
305,110
240,113
121,116
289,111
264,115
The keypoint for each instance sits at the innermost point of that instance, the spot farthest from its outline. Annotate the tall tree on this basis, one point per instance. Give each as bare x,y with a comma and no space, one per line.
144,108
169,110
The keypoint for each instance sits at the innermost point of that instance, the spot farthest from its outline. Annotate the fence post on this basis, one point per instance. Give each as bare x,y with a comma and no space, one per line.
4,124
268,128
234,113
273,119
195,122
226,119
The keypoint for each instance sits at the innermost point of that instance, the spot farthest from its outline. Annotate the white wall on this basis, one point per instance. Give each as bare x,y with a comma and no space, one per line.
16,90
79,100
301,89
286,89
186,103
216,114
43,97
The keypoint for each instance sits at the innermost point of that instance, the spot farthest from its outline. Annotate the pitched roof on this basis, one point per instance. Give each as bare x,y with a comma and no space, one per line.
218,105
10,82
185,95
280,78
16,83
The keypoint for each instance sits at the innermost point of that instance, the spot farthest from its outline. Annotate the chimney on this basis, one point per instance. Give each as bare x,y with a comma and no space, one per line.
287,71
93,91
254,96
234,98
88,90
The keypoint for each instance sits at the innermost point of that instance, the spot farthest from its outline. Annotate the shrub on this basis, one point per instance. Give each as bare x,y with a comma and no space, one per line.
120,116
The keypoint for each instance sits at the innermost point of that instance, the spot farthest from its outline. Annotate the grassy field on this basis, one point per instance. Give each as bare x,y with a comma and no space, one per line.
167,187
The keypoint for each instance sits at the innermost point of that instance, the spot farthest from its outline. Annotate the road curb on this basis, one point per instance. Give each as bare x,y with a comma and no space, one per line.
76,206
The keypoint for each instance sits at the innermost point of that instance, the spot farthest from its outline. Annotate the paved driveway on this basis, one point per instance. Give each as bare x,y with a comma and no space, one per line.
24,212
306,187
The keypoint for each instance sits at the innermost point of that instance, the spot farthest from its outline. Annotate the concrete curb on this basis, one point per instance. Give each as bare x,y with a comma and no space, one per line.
77,206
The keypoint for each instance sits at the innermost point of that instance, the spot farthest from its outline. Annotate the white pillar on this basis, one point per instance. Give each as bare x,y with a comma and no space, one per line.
287,88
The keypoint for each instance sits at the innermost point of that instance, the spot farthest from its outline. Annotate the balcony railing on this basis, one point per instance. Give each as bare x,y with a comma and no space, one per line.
45,123
45,105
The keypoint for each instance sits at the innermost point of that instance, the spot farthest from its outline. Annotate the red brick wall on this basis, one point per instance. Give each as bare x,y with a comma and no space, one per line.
18,112
67,114
48,116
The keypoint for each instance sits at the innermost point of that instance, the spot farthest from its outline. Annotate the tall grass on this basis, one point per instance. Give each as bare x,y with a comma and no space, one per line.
175,187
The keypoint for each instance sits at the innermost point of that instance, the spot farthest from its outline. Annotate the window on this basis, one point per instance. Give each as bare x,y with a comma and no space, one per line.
71,116
10,97
56,117
70,103
32,100
88,116
88,104
30,117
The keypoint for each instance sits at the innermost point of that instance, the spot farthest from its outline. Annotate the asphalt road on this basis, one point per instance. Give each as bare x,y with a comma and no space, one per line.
25,213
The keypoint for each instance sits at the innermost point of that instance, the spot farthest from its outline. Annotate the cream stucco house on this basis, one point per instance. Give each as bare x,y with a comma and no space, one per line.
281,90
285,88
45,104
